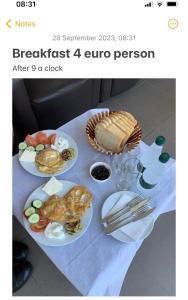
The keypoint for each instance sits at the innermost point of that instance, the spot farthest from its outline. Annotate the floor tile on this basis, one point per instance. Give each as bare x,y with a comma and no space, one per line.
51,280
31,288
19,233
157,259
141,284
166,85
166,128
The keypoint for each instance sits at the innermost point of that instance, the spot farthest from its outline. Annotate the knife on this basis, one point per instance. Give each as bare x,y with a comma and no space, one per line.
128,211
112,227
133,202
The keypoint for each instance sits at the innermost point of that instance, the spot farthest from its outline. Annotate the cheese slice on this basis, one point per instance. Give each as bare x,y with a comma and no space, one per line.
28,156
60,144
53,186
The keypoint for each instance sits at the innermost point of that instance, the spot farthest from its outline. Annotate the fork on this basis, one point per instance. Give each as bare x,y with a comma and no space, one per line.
139,214
124,210
128,212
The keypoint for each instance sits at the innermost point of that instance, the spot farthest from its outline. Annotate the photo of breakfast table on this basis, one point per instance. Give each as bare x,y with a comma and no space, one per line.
96,264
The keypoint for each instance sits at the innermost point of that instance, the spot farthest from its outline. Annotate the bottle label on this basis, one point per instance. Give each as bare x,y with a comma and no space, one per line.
140,167
145,184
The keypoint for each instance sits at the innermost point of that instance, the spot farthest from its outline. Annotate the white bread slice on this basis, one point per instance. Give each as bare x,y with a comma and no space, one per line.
113,131
122,123
126,116
110,138
129,116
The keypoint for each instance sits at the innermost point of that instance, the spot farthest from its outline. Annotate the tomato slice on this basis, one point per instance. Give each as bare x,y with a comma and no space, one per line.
52,138
43,222
31,141
37,227
39,211
42,138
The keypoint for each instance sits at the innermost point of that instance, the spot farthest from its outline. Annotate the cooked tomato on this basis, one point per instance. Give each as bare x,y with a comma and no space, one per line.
43,222
52,138
40,213
42,138
31,141
37,227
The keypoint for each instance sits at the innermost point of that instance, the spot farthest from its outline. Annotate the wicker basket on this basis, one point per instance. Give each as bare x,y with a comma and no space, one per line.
132,142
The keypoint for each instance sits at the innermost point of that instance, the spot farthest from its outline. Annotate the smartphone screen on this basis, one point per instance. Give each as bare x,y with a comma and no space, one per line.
91,92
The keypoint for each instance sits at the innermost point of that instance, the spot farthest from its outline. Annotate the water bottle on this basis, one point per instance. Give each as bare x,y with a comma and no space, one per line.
151,176
151,154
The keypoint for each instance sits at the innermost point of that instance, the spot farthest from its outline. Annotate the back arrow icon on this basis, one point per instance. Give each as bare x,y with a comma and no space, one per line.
8,23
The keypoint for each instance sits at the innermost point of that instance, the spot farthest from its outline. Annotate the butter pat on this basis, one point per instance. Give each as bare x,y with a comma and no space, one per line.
28,156
53,186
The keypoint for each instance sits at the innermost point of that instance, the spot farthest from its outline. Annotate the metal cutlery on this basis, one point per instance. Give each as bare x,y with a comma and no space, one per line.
125,213
138,215
129,214
130,205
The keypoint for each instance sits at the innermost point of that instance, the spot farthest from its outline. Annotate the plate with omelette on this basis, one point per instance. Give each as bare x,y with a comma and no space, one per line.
48,153
58,213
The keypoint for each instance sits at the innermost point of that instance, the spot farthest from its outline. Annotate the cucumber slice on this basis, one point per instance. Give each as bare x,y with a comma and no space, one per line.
30,148
39,147
34,218
29,211
37,203
22,146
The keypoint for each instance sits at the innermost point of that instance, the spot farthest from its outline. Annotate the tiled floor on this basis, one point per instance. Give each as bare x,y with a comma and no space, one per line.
152,272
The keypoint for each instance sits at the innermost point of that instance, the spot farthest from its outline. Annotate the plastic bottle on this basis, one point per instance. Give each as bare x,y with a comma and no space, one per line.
151,154
151,176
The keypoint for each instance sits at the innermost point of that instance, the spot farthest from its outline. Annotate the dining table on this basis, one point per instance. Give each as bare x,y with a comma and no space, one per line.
96,263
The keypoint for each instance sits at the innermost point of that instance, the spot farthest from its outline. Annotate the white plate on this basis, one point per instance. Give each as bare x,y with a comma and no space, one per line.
40,237
31,167
119,234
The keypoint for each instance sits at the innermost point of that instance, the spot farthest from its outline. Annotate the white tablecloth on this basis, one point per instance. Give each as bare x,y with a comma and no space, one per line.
96,264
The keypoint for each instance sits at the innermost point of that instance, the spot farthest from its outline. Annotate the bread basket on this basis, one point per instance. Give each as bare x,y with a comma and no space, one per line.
132,142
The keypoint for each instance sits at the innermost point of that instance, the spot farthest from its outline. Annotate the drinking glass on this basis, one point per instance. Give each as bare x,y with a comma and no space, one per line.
116,162
129,174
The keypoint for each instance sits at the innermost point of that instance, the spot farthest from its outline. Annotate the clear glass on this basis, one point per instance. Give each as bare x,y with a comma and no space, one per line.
128,174
124,167
117,161
130,165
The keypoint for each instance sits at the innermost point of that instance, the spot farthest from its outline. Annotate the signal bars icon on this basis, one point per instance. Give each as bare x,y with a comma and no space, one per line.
149,4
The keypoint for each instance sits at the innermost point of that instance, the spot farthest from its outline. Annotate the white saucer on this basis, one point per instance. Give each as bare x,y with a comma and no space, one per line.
119,234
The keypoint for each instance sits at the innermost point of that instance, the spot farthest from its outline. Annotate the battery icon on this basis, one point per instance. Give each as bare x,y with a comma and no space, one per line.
171,3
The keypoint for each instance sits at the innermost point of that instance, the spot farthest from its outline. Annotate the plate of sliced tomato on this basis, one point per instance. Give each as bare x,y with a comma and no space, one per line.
39,141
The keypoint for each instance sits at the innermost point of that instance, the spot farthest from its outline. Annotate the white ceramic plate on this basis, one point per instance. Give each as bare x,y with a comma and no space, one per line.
40,237
31,167
119,234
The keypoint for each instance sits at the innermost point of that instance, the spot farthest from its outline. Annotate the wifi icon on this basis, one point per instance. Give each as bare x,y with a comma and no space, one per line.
159,3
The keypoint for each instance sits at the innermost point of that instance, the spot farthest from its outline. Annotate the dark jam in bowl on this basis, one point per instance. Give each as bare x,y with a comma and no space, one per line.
100,172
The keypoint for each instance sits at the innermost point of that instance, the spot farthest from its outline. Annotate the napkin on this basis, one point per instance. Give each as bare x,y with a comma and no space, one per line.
134,230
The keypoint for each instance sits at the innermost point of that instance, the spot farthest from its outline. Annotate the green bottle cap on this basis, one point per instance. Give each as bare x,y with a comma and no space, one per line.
160,140
164,157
